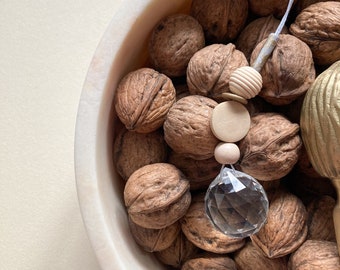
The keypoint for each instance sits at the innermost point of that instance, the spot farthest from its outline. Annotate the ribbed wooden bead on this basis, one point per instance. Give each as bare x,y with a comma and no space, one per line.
245,82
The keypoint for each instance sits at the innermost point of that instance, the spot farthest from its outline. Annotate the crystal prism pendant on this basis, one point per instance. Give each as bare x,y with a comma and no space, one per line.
236,203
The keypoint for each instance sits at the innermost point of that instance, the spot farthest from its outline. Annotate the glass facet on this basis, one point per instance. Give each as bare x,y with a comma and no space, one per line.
236,203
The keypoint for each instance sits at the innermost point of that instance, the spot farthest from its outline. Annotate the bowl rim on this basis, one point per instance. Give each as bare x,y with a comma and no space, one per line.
92,122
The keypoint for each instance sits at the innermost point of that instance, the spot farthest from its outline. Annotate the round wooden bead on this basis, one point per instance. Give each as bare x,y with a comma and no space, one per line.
230,121
227,153
245,82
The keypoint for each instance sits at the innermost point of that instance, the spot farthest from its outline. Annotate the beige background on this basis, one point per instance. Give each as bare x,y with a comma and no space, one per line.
45,49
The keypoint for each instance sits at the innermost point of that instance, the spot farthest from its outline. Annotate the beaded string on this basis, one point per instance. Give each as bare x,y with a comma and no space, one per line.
245,83
230,122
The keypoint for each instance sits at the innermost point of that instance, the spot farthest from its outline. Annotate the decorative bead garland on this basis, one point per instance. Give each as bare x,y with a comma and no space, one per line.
230,120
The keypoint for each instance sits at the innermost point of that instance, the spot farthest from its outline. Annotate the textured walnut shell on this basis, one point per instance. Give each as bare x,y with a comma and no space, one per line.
143,98
252,258
200,173
209,69
187,127
315,255
320,219
286,226
268,7
289,71
200,231
318,25
255,32
152,240
271,148
178,252
173,42
133,150
213,263
302,4
221,20
157,195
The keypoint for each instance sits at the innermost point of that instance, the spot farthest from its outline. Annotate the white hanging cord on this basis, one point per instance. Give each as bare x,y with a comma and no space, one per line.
271,42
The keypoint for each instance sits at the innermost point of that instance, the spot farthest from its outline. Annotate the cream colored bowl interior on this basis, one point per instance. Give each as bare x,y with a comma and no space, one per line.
122,49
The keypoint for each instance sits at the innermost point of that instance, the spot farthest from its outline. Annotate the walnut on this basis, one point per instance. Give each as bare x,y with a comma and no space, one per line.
178,252
271,148
315,255
209,69
152,240
286,226
200,231
252,258
289,71
187,127
213,262
156,195
221,20
143,98
173,42
255,32
320,219
268,7
133,150
319,26
302,4
200,173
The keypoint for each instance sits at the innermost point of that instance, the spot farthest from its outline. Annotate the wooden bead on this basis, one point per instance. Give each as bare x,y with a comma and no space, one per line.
227,153
245,82
231,96
230,121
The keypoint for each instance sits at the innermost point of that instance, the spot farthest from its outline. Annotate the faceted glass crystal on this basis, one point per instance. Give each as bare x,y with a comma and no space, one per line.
236,203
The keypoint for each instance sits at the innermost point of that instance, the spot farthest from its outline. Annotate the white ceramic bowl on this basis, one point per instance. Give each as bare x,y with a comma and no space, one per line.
100,191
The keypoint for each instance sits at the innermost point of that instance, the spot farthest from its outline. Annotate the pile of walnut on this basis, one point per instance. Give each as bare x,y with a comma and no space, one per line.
165,152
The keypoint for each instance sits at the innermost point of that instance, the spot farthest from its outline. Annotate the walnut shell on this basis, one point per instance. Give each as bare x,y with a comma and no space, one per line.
133,150
271,148
289,71
320,219
318,25
286,226
302,4
143,98
157,195
209,69
255,32
252,258
178,252
173,42
315,255
152,240
268,7
221,20
187,127
199,230
200,173
213,263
